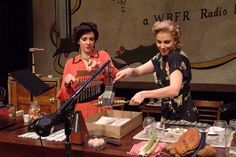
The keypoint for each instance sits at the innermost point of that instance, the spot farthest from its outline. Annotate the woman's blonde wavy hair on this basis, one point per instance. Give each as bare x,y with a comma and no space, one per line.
170,27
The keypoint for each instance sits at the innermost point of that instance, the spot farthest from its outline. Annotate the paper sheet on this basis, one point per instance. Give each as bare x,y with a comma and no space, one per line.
104,120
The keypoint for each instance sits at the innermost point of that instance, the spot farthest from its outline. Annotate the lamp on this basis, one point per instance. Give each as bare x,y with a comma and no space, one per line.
33,51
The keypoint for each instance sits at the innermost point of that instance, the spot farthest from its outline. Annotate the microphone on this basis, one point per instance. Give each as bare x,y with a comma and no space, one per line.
108,95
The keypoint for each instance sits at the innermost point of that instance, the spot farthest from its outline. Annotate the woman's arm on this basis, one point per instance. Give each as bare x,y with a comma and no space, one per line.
134,72
176,80
66,90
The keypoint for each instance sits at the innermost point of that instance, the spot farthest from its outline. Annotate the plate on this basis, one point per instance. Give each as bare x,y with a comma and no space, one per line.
211,132
176,131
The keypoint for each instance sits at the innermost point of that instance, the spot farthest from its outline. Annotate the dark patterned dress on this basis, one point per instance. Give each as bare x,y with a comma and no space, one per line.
181,106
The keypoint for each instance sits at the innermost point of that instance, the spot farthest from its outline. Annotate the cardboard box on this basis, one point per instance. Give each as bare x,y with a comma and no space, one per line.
136,119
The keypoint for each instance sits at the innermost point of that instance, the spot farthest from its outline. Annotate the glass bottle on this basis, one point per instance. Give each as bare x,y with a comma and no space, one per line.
34,110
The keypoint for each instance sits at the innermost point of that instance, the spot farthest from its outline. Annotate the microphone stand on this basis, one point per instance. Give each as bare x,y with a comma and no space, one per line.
109,75
43,126
68,130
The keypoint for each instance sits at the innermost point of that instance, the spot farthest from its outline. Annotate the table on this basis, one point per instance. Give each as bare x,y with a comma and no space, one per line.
11,145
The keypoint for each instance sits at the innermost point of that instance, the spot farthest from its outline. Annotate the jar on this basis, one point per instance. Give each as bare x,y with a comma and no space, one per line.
34,110
7,115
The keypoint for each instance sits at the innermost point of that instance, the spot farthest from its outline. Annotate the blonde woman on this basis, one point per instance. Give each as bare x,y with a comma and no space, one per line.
172,75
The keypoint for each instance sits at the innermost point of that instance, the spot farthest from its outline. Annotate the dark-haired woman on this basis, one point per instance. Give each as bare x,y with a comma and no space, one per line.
78,69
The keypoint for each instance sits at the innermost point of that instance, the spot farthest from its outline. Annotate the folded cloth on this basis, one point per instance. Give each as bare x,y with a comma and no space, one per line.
134,151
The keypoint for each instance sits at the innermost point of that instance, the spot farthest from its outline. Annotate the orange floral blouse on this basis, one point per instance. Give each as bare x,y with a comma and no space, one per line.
77,67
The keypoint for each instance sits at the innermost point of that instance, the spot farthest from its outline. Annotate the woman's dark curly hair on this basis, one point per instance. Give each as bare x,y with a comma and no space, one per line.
83,28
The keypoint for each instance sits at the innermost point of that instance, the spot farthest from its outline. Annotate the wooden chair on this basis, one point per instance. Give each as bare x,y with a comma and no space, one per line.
208,110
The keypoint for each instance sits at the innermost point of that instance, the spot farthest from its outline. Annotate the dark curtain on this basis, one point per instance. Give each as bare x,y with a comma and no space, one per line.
15,37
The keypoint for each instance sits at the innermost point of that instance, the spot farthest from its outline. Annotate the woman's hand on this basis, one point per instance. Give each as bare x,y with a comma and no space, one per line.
100,97
137,99
69,78
123,73
99,100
